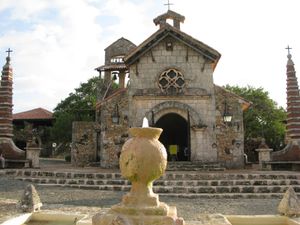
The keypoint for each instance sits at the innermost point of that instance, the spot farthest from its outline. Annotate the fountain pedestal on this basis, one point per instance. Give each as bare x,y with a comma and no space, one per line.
143,159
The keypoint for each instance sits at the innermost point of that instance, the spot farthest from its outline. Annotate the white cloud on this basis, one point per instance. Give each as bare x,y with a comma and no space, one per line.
52,57
57,44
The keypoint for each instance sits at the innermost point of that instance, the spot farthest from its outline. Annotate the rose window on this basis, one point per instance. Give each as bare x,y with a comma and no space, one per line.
171,81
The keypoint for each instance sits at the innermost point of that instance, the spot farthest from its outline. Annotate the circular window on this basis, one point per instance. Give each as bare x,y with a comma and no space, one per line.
171,81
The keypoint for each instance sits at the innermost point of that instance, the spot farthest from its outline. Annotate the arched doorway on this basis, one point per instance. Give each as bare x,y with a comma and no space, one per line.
175,132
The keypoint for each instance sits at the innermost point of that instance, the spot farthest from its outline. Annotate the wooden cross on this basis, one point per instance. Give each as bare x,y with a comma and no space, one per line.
288,48
169,4
9,51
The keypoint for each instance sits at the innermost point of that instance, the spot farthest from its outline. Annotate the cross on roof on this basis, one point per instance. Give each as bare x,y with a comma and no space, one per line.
8,52
288,48
169,4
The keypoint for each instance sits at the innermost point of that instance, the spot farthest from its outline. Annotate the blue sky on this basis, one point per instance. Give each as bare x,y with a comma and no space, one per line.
58,43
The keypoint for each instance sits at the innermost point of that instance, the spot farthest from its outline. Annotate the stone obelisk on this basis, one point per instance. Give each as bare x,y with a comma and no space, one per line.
292,151
7,147
293,102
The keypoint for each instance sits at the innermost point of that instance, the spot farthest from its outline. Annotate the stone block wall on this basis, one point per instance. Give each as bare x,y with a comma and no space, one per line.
83,149
229,137
113,136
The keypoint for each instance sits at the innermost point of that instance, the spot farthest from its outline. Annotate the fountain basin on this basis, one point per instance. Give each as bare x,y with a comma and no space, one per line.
48,218
262,220
58,218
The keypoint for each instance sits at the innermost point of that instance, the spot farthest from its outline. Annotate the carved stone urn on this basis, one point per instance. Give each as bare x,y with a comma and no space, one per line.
143,159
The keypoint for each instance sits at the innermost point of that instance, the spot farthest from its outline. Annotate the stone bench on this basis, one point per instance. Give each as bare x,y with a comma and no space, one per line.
284,165
17,163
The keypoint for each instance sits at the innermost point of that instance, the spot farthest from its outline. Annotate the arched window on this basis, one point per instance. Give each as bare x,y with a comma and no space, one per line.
171,81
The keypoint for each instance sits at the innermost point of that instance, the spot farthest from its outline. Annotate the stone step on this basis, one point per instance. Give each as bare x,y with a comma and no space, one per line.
187,190
167,176
226,195
194,166
90,184
190,183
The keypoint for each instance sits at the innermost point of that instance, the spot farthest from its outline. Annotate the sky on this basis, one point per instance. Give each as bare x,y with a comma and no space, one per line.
57,44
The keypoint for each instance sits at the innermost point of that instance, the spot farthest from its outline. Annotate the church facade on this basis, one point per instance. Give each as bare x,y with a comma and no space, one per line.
170,82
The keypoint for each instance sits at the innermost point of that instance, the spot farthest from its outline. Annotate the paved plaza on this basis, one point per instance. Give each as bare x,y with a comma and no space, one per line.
91,201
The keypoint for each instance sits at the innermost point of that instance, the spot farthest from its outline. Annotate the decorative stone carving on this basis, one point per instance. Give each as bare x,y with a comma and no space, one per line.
143,159
171,81
290,204
30,201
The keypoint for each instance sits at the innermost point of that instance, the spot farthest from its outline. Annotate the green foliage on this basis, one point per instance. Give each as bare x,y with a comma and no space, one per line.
62,129
264,118
78,106
84,98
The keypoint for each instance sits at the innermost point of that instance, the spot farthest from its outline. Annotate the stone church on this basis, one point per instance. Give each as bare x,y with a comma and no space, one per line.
168,79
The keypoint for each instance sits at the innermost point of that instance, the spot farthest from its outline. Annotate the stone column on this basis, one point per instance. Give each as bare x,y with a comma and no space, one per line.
122,79
264,155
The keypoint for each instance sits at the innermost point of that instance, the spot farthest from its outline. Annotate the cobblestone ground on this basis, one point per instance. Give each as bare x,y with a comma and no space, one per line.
69,199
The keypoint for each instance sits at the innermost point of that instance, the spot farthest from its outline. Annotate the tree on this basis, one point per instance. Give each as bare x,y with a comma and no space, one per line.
78,106
264,118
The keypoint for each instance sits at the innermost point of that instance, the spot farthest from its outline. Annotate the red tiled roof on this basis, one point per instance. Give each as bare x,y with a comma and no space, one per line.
34,114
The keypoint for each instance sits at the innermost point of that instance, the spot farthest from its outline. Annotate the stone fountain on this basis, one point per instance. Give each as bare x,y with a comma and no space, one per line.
143,159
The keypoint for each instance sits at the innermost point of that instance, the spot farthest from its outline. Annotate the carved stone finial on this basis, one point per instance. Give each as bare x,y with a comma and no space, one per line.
290,204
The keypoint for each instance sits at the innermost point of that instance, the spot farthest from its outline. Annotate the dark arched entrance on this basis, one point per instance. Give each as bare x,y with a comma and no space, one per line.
175,132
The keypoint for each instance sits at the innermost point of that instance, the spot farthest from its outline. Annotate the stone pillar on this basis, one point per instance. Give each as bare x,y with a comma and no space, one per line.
33,155
33,152
264,155
122,79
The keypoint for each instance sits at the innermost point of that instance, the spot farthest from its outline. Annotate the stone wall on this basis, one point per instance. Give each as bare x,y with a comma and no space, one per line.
83,149
113,136
229,137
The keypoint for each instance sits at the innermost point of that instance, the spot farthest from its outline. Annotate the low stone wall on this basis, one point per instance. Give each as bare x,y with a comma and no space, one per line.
83,149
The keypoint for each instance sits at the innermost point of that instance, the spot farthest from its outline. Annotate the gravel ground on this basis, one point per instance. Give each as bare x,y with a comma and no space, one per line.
92,200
